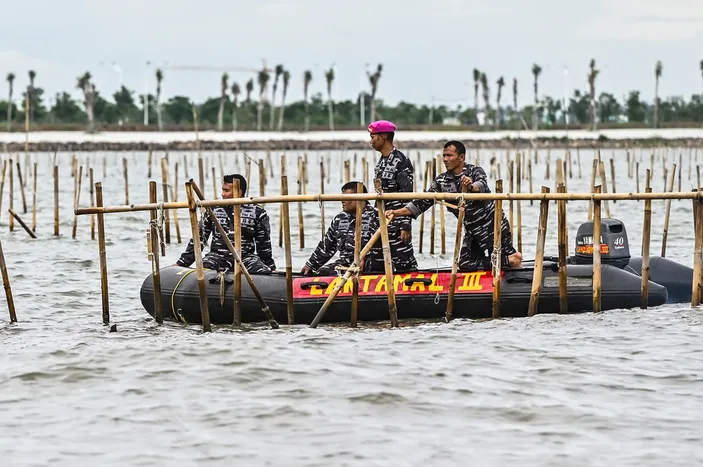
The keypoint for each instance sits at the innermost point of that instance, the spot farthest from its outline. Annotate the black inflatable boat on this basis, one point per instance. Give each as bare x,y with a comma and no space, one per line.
423,294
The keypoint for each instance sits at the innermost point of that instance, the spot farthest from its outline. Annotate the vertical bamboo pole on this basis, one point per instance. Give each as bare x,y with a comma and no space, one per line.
594,171
280,224
149,161
604,186
201,173
214,182
637,175
77,201
511,189
680,171
262,178
539,255
388,265
561,236
518,187
596,253
322,204
442,220
237,215
357,257
668,211
24,199
289,262
92,203
612,175
56,200
2,183
164,194
301,223
422,215
578,160
646,232
11,221
433,221
34,198
697,252
154,236
200,273
347,172
455,261
497,250
125,169
101,252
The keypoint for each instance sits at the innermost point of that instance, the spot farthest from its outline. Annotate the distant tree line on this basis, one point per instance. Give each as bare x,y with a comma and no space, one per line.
238,108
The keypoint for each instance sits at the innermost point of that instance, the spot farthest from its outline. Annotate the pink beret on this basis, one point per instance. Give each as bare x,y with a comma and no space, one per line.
382,126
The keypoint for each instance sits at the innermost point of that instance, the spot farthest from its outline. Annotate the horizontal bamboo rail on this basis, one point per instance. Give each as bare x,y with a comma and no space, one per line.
401,196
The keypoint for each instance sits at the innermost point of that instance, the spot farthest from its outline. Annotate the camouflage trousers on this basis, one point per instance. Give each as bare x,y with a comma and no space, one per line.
252,262
477,246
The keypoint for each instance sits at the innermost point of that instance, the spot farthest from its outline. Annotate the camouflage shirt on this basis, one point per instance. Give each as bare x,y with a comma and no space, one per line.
396,175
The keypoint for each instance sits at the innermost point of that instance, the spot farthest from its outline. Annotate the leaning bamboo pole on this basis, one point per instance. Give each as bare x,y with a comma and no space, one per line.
200,274
539,256
357,258
154,238
164,194
497,250
668,211
387,263
6,285
596,254
101,252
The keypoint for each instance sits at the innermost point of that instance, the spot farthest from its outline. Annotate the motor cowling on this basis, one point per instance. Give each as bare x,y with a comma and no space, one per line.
614,246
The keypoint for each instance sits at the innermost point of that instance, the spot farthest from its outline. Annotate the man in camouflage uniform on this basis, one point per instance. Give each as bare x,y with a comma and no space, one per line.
340,238
477,245
395,171
256,235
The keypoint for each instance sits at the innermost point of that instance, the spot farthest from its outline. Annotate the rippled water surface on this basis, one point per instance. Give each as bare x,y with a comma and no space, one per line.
623,387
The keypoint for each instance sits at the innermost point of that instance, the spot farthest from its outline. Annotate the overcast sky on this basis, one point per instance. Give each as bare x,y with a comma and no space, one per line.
427,48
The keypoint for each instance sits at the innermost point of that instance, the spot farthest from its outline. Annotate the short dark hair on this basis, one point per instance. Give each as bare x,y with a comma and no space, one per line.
352,186
242,181
389,136
460,148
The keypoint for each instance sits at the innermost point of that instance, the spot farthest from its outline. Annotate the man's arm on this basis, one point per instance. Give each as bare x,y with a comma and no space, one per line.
417,206
188,256
479,180
325,249
262,238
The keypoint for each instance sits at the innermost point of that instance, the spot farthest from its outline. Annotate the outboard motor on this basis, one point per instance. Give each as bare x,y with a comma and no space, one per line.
614,247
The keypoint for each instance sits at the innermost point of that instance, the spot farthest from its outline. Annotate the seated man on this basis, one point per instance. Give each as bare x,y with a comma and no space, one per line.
477,246
340,238
256,235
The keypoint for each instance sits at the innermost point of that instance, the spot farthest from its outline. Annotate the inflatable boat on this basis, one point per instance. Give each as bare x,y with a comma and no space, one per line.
423,294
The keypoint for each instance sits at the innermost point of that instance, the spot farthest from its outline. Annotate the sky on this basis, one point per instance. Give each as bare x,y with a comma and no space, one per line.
428,48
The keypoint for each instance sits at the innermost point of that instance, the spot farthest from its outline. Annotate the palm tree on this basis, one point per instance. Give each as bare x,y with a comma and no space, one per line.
286,81
329,76
278,72
10,85
30,94
592,75
373,80
477,78
263,79
536,70
657,74
515,108
159,79
249,88
486,96
500,83
235,96
88,89
224,86
307,78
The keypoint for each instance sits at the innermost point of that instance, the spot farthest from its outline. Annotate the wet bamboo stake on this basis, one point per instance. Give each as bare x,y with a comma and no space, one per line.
214,183
698,175
322,205
596,253
646,231
148,174
7,287
201,173
518,187
262,178
563,251
11,221
2,184
185,166
697,252
289,262
442,219
301,181
77,201
511,189
604,186
529,177
668,211
357,257
101,252
449,312
680,170
164,193
200,273
568,159
347,172
280,224
578,159
24,199
563,174
497,220
237,312
56,200
154,237
24,226
594,171
222,167
92,203
539,256
388,265
637,175
433,221
104,165
34,198
612,176
422,215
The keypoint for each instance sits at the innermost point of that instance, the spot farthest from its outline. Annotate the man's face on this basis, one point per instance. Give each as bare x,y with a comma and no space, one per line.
377,141
348,205
227,190
452,160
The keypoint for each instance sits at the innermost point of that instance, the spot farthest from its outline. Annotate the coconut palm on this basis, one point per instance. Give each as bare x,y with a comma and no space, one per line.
235,97
286,81
477,79
224,86
500,83
657,74
373,80
30,93
249,88
159,79
10,86
88,89
515,107
486,96
536,70
278,71
592,75
263,79
307,78
329,77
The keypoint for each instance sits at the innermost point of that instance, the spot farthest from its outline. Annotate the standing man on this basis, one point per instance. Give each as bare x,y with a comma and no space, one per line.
395,171
477,246
256,235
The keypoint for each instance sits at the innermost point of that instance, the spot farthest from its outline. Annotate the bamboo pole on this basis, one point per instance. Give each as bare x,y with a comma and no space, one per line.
347,172
422,215
697,252
34,198
646,231
442,219
200,273
262,178
125,169
201,173
154,237
24,226
301,224
101,253
518,187
561,234
596,253
11,220
174,196
612,176
680,170
578,159
2,183
7,286
497,250
237,215
539,256
214,182
511,189
164,194
24,199
637,175
357,258
280,224
76,201
289,262
594,171
433,223
149,160
322,205
448,314
56,200
668,212
388,265
604,187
